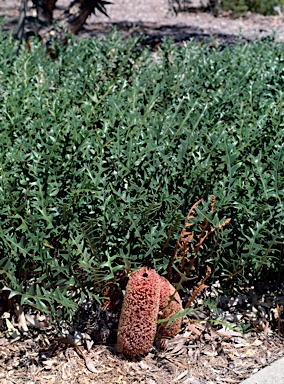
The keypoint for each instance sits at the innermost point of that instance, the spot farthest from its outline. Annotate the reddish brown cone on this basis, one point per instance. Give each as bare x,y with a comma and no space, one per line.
139,314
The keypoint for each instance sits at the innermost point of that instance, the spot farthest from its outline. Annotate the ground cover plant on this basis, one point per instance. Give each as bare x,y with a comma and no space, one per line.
105,148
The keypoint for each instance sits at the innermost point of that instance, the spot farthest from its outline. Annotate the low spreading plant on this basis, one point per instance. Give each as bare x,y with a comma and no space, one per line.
105,149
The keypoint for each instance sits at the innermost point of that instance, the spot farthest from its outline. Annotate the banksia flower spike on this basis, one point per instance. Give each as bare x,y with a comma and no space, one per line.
139,314
170,304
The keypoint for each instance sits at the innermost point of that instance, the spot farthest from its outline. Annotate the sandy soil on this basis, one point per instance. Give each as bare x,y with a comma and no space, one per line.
156,12
153,18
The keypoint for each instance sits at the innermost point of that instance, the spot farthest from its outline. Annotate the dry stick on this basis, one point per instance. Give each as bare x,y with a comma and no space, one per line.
186,237
182,247
212,203
196,292
203,236
207,274
221,225
65,340
21,22
200,287
183,240
184,253
232,275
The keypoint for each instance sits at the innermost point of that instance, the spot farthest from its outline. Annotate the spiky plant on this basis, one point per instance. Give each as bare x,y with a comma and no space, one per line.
74,16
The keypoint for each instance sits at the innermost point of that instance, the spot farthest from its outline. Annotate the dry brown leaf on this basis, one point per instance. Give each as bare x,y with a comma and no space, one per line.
66,371
257,343
262,361
181,376
242,345
65,340
179,348
193,329
31,320
49,364
91,367
89,344
12,331
249,352
51,379
210,353
240,341
88,361
267,330
227,333
21,318
3,341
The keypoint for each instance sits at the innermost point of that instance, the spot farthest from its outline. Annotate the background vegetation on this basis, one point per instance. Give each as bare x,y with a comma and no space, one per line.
237,7
265,7
105,149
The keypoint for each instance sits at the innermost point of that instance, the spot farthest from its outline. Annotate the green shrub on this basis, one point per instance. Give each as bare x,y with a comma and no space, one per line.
265,7
237,7
105,149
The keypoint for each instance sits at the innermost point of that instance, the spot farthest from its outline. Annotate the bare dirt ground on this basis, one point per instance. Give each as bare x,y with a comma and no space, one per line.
210,349
154,19
205,352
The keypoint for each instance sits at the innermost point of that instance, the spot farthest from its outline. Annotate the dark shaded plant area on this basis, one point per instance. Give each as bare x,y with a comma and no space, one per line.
105,150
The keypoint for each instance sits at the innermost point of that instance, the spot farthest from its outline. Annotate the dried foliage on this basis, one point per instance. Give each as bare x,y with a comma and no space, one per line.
199,288
189,242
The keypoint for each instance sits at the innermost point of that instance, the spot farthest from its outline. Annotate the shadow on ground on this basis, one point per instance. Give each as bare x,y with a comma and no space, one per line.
154,33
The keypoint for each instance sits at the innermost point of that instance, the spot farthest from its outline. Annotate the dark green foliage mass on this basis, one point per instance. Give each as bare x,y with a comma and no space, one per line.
105,149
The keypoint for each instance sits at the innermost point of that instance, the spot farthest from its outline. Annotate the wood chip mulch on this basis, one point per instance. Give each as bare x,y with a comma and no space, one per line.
226,345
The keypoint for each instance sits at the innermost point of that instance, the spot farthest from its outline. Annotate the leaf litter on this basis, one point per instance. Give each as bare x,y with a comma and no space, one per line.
211,348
